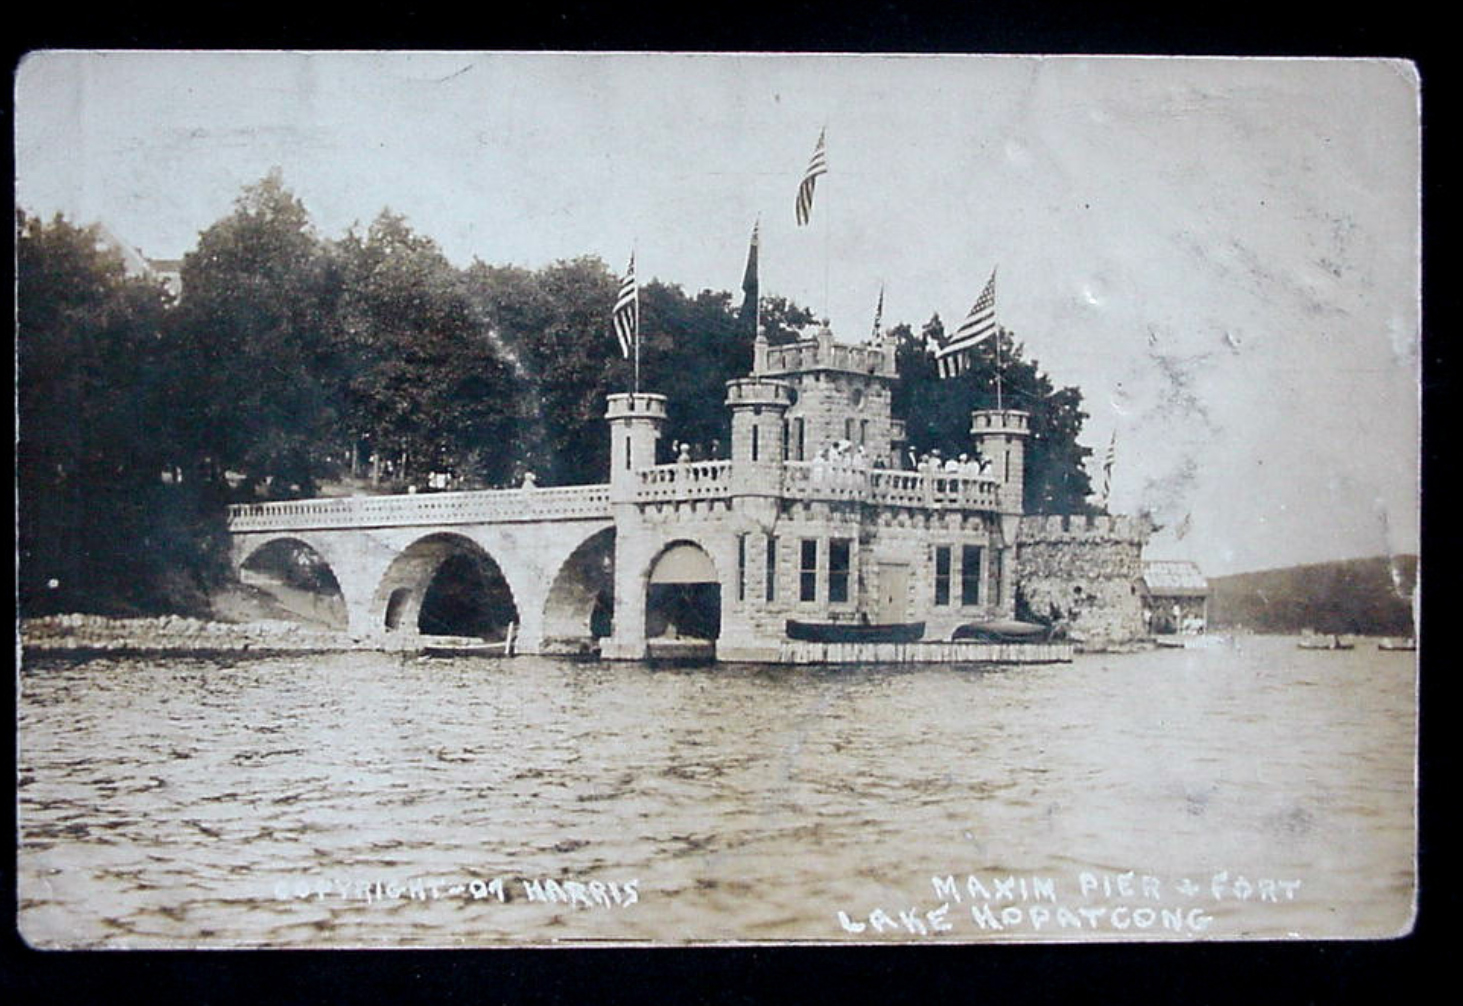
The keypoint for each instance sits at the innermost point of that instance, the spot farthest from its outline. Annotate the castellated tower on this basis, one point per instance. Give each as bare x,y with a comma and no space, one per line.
758,430
1000,436
839,393
635,425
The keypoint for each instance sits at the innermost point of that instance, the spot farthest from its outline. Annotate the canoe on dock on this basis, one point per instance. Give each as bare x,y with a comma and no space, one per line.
1003,630
853,632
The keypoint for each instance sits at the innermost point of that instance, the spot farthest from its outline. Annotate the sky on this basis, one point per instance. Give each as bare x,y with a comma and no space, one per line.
1223,254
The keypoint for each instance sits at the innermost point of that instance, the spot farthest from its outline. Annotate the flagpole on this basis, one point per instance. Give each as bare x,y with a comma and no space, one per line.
999,332
827,230
633,250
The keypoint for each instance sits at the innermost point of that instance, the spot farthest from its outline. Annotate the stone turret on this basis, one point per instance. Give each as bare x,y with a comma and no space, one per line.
757,406
1000,436
635,425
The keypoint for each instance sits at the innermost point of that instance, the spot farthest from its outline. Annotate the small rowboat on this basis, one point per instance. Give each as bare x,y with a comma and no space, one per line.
852,632
1003,630
1331,642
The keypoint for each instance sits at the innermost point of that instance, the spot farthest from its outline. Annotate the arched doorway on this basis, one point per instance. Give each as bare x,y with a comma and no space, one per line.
288,579
446,585
683,595
581,602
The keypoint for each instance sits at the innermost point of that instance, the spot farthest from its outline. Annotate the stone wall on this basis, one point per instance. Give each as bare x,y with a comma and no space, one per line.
1085,572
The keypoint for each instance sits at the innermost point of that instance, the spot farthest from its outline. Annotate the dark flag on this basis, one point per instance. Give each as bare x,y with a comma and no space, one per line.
953,355
1107,463
749,283
627,311
878,314
817,166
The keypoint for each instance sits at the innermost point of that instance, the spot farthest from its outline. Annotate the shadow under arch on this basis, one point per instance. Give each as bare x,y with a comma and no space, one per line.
580,605
298,581
445,584
682,593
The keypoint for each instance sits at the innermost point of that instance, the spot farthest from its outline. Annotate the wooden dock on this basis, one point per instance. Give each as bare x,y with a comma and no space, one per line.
931,652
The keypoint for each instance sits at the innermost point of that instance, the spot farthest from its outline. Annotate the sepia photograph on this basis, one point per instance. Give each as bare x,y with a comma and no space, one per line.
507,499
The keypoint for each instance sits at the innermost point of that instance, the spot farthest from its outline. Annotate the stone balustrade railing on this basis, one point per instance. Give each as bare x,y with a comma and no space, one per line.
827,480
822,480
478,507
685,480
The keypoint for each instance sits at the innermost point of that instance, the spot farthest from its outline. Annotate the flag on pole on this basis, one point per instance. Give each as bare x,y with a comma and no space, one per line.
627,311
953,354
817,166
878,314
749,283
1107,463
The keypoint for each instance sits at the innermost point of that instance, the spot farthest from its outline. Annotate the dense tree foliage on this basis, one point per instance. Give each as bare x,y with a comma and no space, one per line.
100,375
937,412
293,362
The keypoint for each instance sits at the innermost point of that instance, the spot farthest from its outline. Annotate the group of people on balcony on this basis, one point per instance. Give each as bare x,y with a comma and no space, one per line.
931,461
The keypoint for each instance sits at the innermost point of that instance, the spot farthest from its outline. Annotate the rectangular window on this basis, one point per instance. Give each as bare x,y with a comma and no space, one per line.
839,551
800,431
755,430
998,560
863,431
741,567
771,591
848,429
627,453
942,574
808,571
970,574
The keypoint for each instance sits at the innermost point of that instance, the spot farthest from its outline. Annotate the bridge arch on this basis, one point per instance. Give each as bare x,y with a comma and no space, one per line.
300,577
682,592
444,583
579,607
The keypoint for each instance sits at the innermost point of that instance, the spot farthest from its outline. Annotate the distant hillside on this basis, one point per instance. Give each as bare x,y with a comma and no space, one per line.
1367,596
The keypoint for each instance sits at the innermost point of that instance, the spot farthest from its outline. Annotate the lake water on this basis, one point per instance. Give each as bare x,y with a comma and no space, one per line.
1255,790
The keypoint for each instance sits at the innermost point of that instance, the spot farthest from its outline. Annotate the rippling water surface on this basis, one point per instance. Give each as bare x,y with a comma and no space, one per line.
191,802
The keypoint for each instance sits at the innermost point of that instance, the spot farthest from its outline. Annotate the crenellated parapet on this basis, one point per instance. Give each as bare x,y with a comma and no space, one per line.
822,353
1083,571
1083,527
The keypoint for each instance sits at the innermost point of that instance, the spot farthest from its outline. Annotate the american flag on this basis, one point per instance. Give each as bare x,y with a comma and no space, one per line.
817,166
953,354
627,311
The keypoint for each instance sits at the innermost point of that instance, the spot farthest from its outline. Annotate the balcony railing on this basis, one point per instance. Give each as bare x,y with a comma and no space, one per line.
482,507
817,480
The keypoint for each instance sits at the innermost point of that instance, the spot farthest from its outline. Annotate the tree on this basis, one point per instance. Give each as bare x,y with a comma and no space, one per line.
258,316
937,412
98,378
423,385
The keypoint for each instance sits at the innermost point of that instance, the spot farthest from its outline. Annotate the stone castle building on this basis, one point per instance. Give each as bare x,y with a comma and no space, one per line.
731,549
787,533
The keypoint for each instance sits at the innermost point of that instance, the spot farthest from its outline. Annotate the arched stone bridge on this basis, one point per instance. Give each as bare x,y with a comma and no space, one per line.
554,547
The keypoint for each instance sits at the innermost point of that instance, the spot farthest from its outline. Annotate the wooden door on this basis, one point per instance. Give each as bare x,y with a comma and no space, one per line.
893,593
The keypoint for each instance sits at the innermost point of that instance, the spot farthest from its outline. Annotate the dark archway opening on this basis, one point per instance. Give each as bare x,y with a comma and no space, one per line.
602,615
683,597
287,579
683,611
467,596
395,605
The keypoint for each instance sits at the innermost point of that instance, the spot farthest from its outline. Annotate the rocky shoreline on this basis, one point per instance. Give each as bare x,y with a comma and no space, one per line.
174,634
